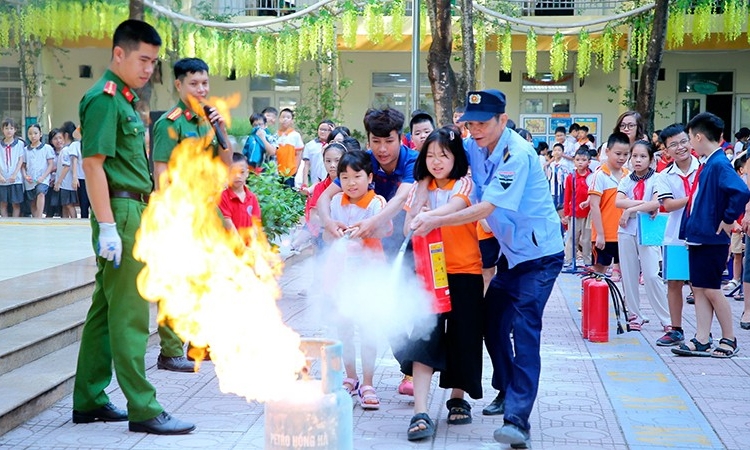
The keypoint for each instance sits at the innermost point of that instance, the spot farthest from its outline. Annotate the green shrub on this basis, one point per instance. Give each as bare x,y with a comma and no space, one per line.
281,207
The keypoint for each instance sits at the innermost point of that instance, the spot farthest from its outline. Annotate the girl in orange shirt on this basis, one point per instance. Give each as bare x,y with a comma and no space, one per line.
454,346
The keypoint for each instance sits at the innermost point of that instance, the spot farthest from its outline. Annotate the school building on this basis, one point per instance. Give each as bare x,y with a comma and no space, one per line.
706,76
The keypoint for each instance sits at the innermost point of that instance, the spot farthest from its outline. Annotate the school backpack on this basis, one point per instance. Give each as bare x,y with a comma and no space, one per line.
254,149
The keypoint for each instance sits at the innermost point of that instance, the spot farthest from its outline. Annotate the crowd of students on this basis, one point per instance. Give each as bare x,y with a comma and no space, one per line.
42,177
637,175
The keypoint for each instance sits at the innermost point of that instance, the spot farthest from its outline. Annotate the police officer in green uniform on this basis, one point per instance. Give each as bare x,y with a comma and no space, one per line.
180,123
118,184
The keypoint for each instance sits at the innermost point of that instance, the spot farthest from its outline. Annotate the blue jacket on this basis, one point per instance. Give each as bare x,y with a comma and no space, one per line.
722,196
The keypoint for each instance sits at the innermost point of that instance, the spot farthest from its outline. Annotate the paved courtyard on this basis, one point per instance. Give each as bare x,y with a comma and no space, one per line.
624,394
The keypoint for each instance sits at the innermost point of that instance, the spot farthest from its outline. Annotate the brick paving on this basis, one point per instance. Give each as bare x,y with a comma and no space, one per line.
625,394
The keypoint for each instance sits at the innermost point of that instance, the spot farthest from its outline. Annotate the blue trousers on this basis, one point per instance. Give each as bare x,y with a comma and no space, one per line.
515,302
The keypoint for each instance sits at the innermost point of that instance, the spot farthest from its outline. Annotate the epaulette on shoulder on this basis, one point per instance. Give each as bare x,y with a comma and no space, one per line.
110,88
175,113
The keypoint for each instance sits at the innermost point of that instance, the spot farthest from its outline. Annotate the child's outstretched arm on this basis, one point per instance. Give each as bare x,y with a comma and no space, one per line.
370,226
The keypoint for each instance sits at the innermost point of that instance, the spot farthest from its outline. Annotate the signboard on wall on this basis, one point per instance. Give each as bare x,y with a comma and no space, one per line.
542,126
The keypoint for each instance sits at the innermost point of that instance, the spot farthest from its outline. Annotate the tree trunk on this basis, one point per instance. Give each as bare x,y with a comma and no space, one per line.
136,9
467,80
646,98
439,70
144,94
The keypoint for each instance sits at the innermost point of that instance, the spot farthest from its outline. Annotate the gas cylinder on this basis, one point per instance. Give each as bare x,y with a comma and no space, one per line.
598,306
585,306
429,262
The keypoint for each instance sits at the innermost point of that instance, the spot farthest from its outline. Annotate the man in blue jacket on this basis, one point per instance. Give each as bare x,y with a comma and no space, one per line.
716,202
516,202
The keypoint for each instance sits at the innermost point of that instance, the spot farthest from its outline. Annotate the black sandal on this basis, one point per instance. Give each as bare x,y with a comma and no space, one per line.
720,352
458,407
420,433
699,349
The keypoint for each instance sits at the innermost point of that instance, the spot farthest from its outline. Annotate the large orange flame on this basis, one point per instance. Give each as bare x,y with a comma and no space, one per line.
213,289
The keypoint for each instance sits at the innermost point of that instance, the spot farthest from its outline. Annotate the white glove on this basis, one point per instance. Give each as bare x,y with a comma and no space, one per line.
109,246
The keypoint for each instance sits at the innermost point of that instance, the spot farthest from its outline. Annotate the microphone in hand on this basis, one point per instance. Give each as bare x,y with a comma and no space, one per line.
217,130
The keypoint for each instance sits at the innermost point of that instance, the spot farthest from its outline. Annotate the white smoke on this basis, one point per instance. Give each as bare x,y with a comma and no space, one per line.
362,288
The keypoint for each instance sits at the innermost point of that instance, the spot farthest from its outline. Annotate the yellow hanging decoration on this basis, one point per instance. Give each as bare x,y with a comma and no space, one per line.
291,50
734,16
313,45
480,41
583,59
374,23
640,34
676,24
702,21
558,56
4,31
505,49
76,27
327,35
241,53
349,24
531,53
608,49
398,12
424,22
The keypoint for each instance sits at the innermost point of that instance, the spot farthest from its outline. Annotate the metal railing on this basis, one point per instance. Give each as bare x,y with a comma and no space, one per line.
278,8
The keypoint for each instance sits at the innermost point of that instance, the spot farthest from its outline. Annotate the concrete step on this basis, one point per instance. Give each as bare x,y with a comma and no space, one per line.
38,293
38,336
29,390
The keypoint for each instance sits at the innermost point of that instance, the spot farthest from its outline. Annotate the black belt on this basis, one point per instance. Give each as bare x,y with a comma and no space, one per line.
131,195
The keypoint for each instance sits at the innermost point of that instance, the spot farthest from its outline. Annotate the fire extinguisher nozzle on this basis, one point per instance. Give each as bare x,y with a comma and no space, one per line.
409,235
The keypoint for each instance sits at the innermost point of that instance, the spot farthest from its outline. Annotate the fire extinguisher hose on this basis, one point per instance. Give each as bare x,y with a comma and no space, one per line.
406,242
618,301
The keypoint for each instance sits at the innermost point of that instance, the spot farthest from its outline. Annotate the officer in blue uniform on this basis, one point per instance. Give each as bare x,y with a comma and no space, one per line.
516,202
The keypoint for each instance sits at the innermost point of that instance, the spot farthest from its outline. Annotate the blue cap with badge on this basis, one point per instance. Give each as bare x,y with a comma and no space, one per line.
482,106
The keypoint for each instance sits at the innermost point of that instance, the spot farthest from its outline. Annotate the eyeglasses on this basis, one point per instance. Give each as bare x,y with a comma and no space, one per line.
628,126
675,145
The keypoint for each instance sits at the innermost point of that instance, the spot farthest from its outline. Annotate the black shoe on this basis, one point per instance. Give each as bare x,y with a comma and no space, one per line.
106,413
496,408
162,424
511,434
174,364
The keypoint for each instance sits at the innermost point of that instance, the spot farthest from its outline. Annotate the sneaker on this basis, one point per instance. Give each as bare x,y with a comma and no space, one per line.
511,434
672,337
407,386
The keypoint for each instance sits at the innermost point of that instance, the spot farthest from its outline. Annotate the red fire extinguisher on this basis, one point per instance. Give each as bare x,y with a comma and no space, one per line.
585,285
429,262
598,306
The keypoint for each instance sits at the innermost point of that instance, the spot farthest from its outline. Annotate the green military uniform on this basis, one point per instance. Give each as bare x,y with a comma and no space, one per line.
170,129
175,126
116,328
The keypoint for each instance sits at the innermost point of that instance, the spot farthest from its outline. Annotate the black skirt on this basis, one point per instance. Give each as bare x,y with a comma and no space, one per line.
454,346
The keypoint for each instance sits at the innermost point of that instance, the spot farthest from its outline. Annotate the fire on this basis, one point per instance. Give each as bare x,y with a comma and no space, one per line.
213,289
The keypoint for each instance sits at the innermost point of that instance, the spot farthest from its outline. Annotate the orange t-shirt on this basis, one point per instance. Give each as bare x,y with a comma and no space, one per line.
481,234
604,185
461,245
286,155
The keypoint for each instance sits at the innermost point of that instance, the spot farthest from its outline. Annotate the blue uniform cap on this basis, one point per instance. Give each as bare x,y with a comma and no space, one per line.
481,106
